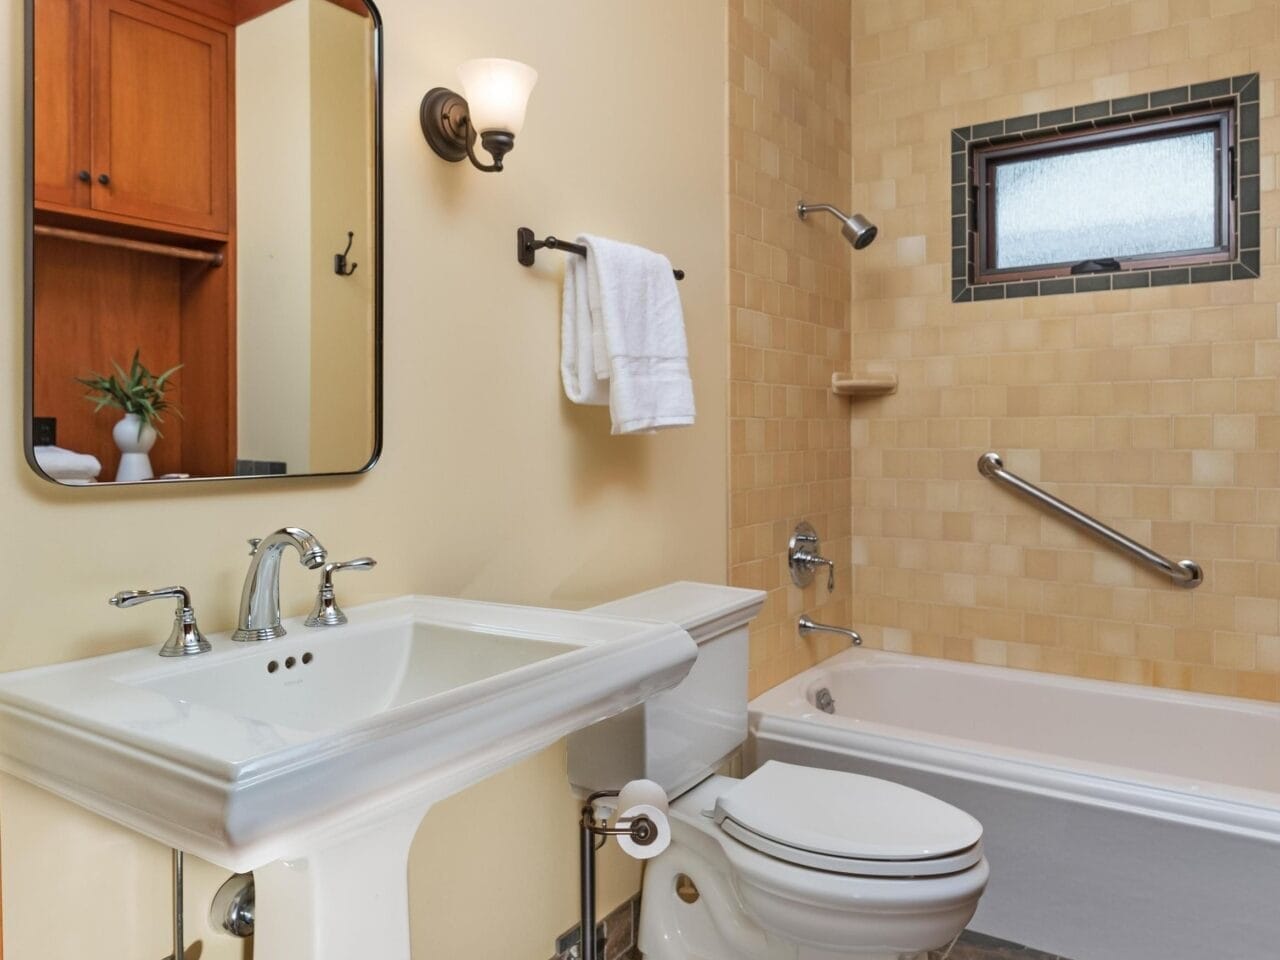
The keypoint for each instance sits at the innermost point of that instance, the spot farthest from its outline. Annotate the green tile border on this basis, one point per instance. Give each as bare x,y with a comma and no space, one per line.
1240,93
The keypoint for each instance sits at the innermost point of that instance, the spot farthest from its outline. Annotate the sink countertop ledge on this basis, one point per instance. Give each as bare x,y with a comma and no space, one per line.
414,700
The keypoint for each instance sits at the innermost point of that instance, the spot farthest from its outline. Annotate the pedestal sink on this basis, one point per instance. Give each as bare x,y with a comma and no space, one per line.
311,760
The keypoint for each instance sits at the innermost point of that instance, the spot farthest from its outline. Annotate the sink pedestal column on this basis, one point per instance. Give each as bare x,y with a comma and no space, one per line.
347,900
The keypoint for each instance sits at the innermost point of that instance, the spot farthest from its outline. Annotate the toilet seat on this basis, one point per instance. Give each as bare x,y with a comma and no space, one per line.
847,823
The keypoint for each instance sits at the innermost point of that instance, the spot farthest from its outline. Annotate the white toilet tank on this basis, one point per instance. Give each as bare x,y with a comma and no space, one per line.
677,738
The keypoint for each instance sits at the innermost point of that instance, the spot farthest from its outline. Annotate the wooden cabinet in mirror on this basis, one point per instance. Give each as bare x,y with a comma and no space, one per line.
193,168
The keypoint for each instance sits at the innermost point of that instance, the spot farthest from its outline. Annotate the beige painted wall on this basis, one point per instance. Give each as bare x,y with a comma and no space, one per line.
342,191
1155,410
491,486
274,236
305,177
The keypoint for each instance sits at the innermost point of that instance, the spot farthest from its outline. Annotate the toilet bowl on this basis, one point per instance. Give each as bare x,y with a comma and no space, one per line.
789,862
765,869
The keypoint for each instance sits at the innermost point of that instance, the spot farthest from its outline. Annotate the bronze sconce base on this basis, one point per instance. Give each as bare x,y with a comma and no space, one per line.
446,125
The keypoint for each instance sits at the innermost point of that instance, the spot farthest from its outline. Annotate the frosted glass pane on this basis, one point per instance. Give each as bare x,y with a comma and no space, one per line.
1117,201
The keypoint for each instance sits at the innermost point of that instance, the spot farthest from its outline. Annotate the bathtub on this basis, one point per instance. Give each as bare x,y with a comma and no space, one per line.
1121,822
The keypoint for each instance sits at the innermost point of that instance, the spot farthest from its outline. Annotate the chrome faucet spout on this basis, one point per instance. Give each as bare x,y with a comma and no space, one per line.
260,600
807,626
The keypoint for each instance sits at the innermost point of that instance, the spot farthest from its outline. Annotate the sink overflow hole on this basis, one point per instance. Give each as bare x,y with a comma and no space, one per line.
289,662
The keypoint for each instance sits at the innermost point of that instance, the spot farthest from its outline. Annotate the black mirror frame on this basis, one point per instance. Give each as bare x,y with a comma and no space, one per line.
28,371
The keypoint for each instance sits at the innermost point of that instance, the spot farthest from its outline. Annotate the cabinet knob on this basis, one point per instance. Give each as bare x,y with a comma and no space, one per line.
83,176
103,179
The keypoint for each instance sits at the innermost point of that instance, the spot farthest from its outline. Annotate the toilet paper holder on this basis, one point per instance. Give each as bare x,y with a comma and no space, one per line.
593,835
642,830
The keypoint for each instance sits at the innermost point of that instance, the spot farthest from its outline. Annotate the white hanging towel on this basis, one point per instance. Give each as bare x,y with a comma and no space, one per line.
637,335
577,365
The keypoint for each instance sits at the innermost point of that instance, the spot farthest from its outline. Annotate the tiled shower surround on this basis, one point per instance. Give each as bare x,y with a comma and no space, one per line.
1156,409
789,136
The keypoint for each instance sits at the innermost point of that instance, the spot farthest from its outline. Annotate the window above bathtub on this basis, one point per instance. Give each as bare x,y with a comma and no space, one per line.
1142,191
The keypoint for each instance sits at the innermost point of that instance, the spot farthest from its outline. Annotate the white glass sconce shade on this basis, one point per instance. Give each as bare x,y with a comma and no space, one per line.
497,93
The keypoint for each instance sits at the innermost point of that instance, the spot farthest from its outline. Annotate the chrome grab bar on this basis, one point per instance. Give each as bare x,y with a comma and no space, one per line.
1184,573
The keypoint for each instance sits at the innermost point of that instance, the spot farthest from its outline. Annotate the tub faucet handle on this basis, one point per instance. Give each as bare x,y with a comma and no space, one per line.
813,560
804,552
185,639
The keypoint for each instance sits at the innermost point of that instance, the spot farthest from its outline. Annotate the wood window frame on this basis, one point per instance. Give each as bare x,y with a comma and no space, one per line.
984,161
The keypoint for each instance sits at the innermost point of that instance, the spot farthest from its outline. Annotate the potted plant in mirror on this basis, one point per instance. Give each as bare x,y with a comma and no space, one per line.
141,395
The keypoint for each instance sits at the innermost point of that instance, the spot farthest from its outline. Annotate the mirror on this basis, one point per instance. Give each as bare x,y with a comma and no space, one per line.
204,243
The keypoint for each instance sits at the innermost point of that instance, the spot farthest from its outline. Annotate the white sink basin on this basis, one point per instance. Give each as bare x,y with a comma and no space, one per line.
316,775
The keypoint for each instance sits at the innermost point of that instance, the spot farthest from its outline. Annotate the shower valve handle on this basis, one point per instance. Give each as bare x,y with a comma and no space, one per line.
804,552
813,560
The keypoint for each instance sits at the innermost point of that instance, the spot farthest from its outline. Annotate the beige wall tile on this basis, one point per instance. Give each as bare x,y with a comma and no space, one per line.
1153,409
789,438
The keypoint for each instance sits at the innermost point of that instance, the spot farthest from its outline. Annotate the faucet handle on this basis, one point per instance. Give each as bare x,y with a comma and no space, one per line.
253,545
185,639
803,558
831,572
326,612
804,552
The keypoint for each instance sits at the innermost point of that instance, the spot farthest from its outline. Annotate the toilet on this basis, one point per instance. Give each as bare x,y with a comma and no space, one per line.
789,862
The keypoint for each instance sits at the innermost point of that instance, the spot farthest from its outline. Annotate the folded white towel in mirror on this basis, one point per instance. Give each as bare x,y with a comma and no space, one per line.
67,465
630,346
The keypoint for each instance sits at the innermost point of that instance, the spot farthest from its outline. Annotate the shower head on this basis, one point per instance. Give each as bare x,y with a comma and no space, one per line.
857,229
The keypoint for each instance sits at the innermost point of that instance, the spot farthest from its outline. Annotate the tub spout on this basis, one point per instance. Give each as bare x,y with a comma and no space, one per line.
807,626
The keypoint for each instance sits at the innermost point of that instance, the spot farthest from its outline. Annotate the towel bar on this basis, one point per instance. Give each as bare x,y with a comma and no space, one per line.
528,244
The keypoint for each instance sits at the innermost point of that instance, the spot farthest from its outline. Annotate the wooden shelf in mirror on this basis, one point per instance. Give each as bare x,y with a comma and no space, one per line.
80,218
213,259
864,384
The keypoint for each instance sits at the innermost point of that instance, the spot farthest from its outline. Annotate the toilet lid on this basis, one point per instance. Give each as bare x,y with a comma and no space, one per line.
848,823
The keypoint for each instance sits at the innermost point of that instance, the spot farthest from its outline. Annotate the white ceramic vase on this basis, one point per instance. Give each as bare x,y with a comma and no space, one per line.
134,445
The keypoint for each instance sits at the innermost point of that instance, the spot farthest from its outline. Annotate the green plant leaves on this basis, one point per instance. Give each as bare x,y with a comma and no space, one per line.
139,392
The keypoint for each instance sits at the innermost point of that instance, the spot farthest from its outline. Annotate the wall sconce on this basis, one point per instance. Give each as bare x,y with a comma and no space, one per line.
494,96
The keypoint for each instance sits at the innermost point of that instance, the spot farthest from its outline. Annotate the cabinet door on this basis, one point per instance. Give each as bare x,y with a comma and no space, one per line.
160,116
61,65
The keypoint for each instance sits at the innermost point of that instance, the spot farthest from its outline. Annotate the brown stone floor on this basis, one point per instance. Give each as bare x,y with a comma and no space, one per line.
970,946
978,946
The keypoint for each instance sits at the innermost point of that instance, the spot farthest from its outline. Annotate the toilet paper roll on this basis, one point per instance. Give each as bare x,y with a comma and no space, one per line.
659,843
641,791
